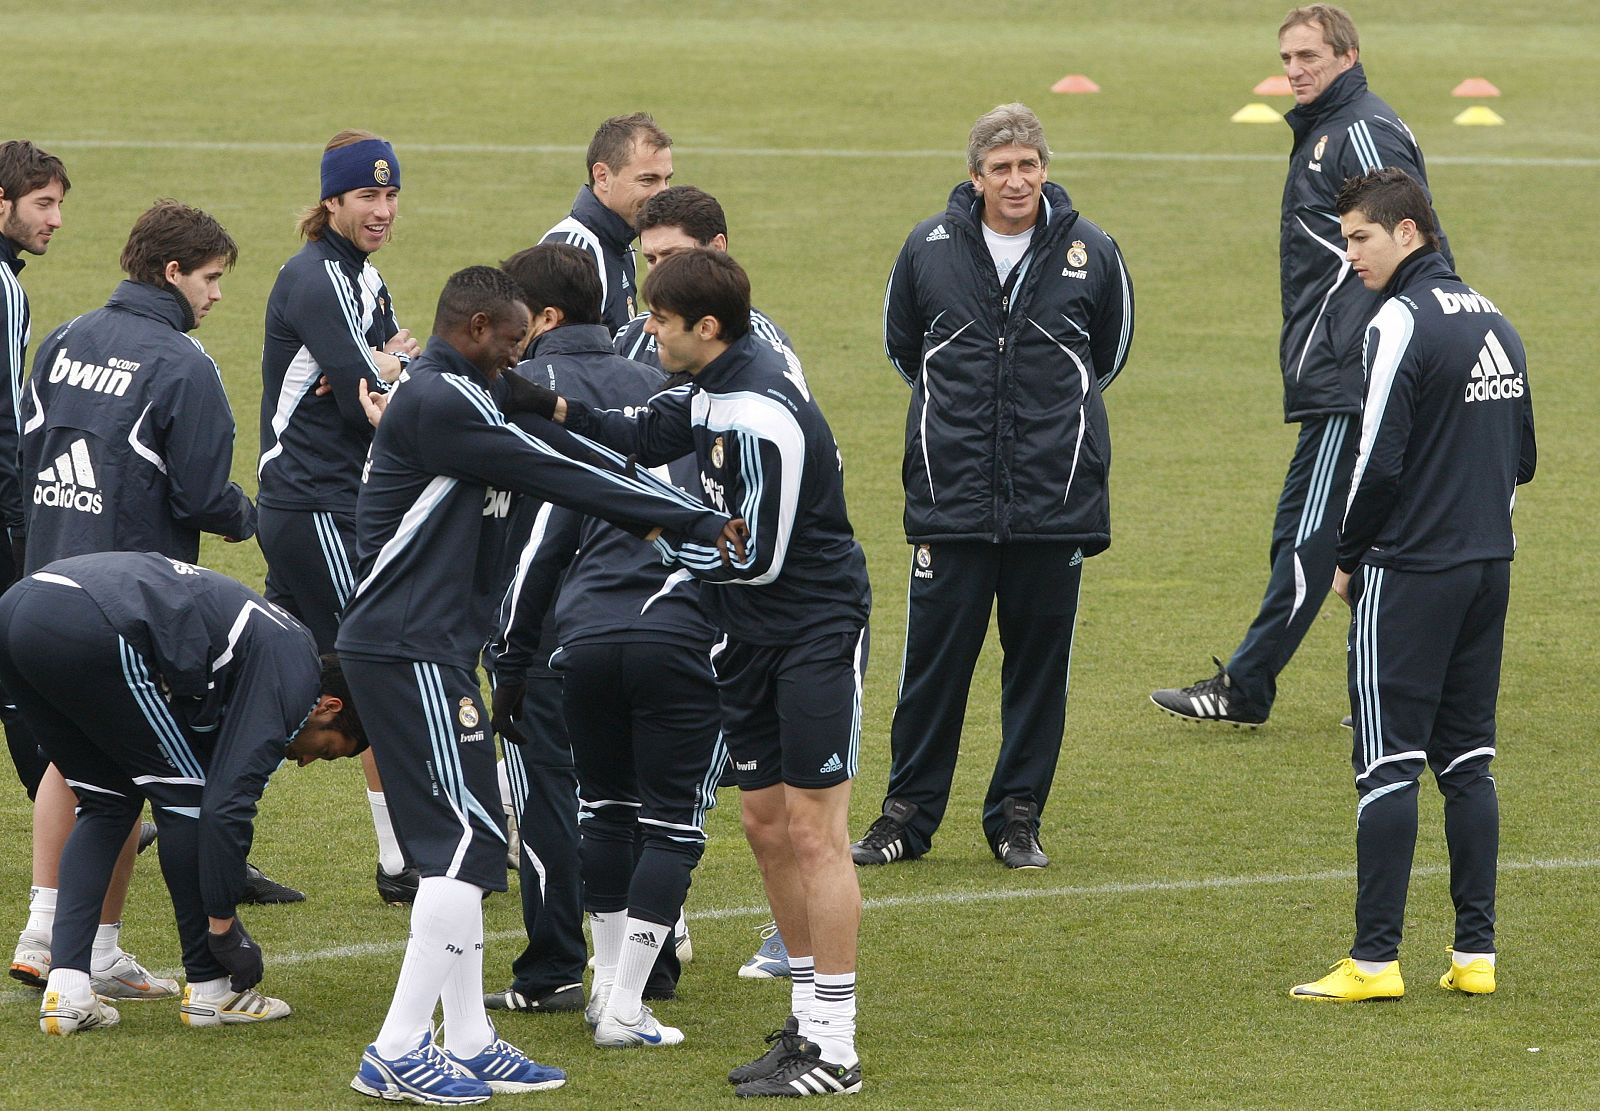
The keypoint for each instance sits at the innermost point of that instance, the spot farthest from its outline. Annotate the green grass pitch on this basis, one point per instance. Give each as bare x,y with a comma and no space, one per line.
1197,873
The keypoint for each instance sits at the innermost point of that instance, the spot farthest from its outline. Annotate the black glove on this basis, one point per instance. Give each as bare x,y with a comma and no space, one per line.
237,952
507,709
523,396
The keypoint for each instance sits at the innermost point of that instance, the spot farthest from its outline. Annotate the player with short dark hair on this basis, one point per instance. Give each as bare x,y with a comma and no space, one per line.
629,160
794,605
561,287
331,318
127,446
410,643
1424,559
146,677
642,750
673,221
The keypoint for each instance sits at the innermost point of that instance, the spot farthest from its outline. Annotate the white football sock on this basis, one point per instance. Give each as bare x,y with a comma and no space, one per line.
467,1032
609,929
212,991
832,1024
70,982
390,858
1372,968
1463,959
801,992
41,911
107,946
447,914
641,944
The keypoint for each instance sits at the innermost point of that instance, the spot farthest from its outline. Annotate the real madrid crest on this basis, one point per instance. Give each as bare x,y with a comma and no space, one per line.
380,171
1077,255
1322,145
467,714
716,453
924,556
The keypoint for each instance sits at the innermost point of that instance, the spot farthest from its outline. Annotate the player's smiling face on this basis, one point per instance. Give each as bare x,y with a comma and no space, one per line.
624,190
364,216
1010,185
502,340
1309,62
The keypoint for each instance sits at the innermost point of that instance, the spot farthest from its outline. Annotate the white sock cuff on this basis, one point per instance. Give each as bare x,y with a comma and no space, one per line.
42,898
70,982
215,989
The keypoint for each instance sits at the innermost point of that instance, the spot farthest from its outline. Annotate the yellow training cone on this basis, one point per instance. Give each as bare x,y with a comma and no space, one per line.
1479,116
1258,113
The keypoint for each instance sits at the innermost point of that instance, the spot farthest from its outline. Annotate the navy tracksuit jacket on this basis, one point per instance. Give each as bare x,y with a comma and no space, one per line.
127,435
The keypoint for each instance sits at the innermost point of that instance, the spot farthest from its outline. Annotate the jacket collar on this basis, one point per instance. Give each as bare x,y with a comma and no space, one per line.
966,207
441,356
342,248
572,339
612,229
726,366
1348,87
1424,262
9,256
153,302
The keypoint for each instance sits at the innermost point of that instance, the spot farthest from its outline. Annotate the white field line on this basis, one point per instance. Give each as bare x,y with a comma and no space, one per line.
776,152
396,946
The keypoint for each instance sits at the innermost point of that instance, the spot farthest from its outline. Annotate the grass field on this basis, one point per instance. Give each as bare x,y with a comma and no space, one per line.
1197,874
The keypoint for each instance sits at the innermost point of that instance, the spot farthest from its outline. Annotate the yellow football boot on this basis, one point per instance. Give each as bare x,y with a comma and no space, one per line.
1345,983
1476,978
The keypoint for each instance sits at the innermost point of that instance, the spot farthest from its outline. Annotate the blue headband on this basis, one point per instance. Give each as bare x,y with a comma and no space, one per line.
365,165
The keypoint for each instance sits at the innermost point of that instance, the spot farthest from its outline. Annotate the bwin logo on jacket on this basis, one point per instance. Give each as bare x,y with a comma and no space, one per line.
1493,378
114,378
69,484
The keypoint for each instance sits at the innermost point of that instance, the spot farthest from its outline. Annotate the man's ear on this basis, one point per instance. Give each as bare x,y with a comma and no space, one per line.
329,706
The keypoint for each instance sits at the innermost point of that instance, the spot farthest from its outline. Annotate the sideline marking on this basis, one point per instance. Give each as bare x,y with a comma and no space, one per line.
938,898
781,152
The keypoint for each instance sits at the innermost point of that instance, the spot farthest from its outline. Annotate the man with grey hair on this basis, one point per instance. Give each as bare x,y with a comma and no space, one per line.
1007,314
1341,130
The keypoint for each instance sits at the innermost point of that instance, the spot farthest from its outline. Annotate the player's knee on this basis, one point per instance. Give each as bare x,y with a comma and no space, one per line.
609,822
816,843
1464,775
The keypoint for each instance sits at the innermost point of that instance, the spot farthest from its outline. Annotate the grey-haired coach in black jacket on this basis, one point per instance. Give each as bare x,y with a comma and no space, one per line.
1008,314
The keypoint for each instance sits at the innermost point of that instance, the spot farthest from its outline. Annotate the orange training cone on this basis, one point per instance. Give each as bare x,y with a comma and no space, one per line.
1074,83
1276,85
1475,86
